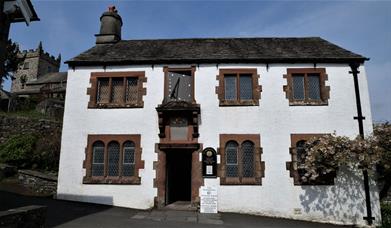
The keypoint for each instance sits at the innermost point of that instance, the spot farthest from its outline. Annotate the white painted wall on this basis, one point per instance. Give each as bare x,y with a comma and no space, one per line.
273,119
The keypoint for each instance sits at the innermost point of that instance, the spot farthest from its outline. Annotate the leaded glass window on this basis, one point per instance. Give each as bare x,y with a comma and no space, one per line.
298,86
231,153
241,159
300,152
131,94
116,89
314,86
230,86
307,86
98,155
128,164
117,94
113,158
103,91
246,86
248,158
238,87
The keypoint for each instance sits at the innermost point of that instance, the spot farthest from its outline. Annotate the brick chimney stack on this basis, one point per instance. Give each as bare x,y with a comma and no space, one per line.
110,27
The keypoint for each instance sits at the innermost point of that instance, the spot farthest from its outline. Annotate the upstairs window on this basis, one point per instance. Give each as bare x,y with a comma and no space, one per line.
241,160
26,65
238,87
306,86
117,90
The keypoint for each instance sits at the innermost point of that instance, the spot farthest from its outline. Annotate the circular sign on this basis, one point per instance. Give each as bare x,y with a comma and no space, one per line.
209,151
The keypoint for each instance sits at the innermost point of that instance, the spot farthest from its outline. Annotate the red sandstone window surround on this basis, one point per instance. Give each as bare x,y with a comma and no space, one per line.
238,87
113,159
307,86
240,161
295,166
117,89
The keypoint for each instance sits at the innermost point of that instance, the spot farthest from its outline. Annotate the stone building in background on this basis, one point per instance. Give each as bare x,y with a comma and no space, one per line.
36,65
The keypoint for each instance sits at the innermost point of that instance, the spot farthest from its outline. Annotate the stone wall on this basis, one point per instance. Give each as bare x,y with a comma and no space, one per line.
29,216
41,183
10,126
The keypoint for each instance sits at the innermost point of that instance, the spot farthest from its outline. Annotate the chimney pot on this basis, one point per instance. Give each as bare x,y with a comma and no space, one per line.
112,9
110,27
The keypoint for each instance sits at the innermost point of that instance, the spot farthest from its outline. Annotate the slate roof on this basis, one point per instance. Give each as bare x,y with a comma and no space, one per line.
56,77
216,50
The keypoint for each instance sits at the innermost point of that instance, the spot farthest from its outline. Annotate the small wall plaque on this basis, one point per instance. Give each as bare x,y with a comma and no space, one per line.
209,163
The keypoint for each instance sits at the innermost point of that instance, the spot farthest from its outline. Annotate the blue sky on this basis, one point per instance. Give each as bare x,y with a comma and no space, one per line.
364,27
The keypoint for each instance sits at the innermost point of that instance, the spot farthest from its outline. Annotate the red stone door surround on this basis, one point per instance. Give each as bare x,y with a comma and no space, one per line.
160,166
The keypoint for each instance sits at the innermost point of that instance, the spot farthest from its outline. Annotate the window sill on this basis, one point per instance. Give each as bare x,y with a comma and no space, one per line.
112,180
111,105
240,181
303,103
239,103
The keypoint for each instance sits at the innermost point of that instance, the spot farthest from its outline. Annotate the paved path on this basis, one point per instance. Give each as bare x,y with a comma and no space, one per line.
74,214
179,216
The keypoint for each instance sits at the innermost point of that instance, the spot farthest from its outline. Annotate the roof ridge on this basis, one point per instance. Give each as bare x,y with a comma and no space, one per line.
225,38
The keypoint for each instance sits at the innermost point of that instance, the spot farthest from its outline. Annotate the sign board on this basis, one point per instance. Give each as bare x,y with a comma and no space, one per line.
208,200
209,162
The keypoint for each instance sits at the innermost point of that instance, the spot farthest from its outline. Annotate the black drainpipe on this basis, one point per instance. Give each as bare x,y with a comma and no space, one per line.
360,118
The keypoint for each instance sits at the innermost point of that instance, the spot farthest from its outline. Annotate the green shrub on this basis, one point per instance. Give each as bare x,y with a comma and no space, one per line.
18,150
46,155
386,214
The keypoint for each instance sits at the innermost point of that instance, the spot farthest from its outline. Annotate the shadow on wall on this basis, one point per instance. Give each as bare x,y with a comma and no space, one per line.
59,211
343,201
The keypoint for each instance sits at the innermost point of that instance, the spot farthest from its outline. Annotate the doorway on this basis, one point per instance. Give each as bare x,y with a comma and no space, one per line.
178,179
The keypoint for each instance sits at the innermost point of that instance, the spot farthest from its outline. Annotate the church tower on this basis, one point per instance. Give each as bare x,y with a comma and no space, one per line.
36,63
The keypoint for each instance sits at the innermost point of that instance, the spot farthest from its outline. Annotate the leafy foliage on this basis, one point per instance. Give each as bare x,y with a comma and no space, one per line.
386,214
12,59
18,150
383,135
32,151
325,154
46,155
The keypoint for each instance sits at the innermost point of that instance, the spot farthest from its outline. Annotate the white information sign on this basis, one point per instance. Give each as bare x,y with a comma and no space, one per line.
209,170
208,200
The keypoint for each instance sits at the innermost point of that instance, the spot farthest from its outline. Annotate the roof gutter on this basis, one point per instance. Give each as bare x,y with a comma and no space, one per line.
72,63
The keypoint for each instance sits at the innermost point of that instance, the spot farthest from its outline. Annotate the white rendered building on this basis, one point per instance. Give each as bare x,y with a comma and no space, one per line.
139,113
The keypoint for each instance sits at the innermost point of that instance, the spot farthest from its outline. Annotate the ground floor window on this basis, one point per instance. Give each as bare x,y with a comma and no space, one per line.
113,159
296,165
241,162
